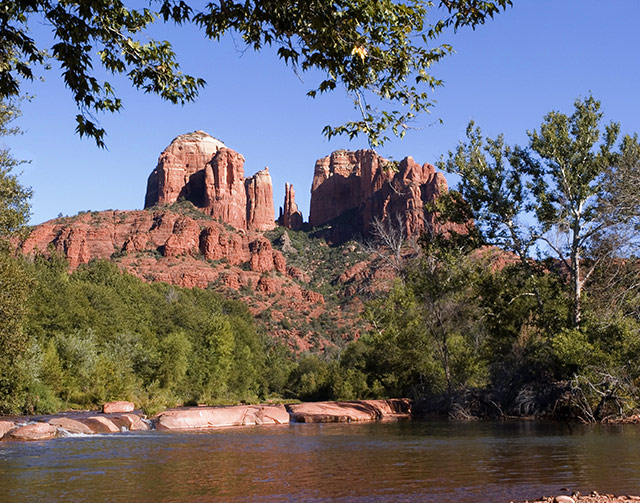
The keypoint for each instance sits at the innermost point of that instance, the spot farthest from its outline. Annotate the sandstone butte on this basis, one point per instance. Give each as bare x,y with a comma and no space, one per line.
199,168
355,188
229,250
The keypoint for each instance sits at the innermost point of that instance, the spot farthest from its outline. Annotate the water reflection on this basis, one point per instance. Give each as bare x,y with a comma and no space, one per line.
408,461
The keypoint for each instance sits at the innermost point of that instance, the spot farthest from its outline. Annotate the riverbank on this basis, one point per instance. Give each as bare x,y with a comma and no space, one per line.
593,497
119,417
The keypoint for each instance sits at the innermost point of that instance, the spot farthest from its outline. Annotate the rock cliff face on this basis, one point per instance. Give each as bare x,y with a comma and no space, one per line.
201,169
352,189
106,234
260,212
181,246
191,243
290,216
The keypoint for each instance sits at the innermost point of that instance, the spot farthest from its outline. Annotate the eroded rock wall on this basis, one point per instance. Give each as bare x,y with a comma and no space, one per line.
201,169
353,189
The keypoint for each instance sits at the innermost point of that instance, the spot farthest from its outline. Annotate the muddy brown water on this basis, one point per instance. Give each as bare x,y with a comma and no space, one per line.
409,461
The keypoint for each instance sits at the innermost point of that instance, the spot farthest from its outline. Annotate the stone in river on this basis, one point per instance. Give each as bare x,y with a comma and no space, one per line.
100,424
345,412
212,417
131,422
71,425
118,407
6,426
34,431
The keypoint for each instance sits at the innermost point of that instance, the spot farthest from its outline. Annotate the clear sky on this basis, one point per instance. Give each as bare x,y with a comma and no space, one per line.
536,57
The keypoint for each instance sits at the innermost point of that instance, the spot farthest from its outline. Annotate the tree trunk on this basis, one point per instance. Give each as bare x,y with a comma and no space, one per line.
445,362
575,277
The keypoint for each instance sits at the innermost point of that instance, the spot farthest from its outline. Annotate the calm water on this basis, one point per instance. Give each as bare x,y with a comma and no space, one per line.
398,462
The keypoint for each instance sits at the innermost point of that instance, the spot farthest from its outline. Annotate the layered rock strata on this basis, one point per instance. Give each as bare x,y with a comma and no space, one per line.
199,168
101,235
353,189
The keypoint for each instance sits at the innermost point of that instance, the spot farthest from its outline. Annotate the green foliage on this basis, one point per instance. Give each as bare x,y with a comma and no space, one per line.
310,379
422,342
14,199
562,193
380,52
466,315
174,352
80,30
15,286
100,334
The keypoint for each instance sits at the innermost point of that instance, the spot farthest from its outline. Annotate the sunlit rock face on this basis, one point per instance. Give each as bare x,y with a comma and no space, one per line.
290,215
201,169
351,190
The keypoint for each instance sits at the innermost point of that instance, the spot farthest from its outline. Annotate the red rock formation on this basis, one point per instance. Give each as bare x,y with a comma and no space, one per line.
178,171
264,258
131,422
290,216
6,426
346,412
34,431
260,212
351,189
215,417
71,425
198,168
100,424
224,196
120,406
100,235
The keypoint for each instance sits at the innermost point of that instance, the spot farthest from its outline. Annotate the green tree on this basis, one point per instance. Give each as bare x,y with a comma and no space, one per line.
14,279
15,286
560,192
379,51
14,198
568,165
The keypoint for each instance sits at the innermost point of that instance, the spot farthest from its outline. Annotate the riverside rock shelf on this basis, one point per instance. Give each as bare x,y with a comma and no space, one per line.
123,418
593,497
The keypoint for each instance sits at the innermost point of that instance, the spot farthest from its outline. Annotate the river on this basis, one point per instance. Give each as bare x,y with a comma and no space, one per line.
410,461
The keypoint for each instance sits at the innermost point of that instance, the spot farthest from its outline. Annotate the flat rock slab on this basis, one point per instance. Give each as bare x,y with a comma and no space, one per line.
590,498
131,422
6,426
345,412
100,424
34,431
71,425
214,417
118,407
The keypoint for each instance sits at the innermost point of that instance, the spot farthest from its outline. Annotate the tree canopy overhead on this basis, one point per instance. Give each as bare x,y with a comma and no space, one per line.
379,51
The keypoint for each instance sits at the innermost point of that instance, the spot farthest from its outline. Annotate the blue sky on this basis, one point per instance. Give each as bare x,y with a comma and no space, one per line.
506,75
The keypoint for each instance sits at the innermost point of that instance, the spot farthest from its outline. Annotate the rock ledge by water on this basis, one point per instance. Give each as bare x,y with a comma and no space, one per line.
593,497
198,418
